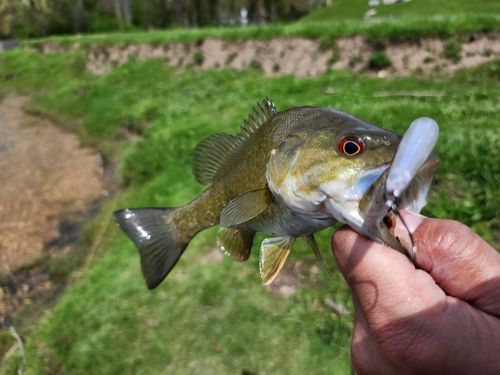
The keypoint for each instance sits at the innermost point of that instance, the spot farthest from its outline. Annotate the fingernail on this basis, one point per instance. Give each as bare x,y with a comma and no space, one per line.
412,221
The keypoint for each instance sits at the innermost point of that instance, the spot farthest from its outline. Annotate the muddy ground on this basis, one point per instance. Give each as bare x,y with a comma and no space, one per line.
48,184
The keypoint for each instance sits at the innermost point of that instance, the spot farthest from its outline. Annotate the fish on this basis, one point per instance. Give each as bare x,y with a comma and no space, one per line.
287,174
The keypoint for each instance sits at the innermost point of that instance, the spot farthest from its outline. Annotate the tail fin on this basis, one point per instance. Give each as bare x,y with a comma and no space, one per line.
152,231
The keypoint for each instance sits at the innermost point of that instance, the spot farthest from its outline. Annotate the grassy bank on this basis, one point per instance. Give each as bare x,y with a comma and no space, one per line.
408,28
213,316
355,9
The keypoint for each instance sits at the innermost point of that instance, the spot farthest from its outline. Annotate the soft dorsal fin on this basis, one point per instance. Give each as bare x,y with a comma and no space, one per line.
211,153
260,114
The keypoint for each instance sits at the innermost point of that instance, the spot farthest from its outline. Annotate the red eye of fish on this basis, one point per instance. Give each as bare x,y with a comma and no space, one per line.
351,145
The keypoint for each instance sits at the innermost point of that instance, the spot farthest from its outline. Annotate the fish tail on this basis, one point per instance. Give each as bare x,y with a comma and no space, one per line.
156,236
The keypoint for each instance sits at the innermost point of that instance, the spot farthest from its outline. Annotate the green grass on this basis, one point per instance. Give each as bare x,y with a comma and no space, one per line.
409,28
217,318
355,9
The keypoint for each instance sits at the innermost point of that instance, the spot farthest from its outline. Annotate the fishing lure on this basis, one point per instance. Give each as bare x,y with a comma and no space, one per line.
413,151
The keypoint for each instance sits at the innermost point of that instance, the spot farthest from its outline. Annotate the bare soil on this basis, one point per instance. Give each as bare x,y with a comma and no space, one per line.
295,56
44,176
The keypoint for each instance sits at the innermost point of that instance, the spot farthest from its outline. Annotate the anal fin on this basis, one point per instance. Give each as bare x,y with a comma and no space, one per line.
273,253
236,243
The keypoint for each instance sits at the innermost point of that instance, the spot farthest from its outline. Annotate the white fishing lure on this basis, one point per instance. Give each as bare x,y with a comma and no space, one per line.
413,151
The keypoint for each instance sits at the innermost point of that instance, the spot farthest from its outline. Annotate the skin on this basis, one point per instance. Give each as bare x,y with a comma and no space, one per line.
439,318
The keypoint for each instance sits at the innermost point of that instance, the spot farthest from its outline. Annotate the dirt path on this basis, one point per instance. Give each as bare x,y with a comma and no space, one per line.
44,174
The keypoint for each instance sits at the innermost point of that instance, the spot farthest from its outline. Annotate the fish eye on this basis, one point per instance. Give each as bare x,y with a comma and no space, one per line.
351,145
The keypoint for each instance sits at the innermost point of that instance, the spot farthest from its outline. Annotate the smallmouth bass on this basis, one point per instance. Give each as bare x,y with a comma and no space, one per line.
288,174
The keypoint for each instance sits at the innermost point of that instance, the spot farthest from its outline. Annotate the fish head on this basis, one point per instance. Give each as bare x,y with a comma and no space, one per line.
331,162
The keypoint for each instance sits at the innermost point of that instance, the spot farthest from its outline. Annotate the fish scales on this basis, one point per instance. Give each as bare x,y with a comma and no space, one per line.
287,174
244,171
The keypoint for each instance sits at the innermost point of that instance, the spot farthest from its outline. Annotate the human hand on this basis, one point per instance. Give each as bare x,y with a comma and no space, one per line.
439,318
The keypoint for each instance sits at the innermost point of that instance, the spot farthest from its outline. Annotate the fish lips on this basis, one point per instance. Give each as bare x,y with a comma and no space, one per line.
379,221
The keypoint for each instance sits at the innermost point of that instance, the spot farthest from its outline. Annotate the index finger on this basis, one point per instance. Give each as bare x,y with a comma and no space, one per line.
462,263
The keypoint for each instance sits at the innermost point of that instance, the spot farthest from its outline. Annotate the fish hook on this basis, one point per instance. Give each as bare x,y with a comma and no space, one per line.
393,206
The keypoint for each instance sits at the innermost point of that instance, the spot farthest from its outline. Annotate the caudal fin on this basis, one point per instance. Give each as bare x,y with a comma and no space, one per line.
153,233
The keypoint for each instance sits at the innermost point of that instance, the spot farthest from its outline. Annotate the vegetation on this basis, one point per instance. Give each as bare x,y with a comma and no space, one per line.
5,18
38,18
213,316
110,323
231,57
407,29
35,18
328,42
198,58
452,50
355,9
255,65
354,60
379,60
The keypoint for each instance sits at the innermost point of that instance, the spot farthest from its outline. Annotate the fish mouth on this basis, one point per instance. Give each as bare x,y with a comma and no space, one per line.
379,218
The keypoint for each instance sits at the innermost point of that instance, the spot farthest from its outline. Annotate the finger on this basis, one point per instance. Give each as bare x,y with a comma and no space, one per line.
381,277
460,262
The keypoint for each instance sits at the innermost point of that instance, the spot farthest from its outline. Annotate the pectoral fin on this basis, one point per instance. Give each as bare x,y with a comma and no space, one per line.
314,246
236,243
245,207
273,253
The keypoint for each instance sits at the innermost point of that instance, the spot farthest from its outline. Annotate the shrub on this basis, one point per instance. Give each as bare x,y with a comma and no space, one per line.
198,58
379,60
254,64
452,50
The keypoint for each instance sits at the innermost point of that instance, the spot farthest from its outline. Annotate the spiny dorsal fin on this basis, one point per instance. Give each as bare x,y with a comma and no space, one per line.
260,114
211,153
236,243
